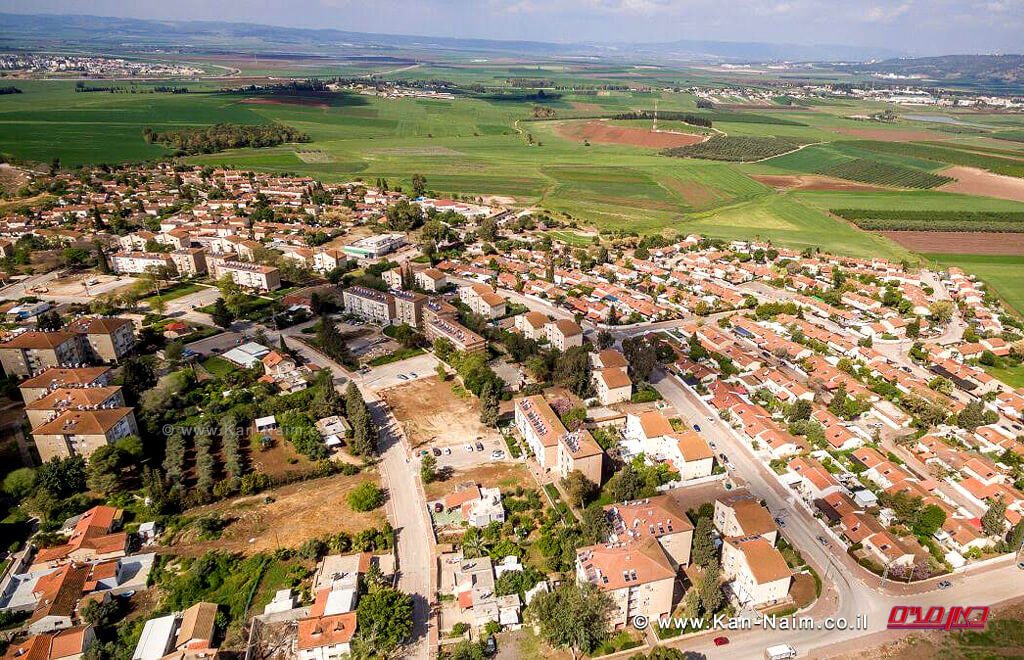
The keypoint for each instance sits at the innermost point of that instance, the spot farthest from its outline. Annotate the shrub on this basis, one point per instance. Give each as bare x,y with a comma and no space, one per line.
366,497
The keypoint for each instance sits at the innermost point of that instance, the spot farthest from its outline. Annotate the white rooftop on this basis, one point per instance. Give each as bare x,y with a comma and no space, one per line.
156,638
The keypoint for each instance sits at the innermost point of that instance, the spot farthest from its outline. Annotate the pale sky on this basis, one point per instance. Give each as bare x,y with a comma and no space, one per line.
916,26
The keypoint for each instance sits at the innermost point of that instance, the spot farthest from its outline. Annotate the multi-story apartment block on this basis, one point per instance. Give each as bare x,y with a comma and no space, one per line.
136,263
564,334
31,352
464,339
190,261
105,338
638,577
248,275
409,307
430,279
482,300
554,447
54,378
81,432
369,304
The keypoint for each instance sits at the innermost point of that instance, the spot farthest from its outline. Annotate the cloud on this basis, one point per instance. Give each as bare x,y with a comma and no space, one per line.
879,14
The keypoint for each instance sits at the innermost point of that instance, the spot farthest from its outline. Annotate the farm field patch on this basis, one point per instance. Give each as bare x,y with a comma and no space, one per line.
959,242
603,132
891,134
810,182
974,181
784,220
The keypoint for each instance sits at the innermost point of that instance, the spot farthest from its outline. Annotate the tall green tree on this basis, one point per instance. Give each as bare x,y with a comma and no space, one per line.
703,542
222,315
573,616
385,619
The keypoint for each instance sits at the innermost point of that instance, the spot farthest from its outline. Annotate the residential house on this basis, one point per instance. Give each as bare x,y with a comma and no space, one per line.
759,573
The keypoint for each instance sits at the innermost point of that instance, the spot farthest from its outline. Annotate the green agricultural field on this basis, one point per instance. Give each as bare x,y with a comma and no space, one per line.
885,174
479,146
1003,273
916,200
783,219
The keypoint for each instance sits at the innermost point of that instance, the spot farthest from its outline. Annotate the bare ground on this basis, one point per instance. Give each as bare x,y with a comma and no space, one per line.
600,132
973,181
296,513
430,413
954,242
810,182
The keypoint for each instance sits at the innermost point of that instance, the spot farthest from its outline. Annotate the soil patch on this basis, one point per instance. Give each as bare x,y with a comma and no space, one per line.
810,182
892,134
696,194
601,132
430,413
287,100
586,107
505,476
973,181
11,178
284,517
958,242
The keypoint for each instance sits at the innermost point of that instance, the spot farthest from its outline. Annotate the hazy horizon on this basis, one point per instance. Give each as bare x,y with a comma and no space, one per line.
916,27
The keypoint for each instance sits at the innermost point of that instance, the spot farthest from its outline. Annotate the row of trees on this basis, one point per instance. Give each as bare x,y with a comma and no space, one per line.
210,139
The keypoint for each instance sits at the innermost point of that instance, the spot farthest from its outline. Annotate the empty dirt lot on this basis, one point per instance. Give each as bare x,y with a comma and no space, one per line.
431,414
600,132
298,512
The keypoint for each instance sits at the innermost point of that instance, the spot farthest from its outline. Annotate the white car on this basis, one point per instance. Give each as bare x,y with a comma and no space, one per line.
469,447
402,377
447,451
497,454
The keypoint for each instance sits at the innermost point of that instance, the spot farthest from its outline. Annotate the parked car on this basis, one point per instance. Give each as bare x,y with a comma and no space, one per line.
402,377
723,457
822,540
469,447
490,646
721,641
412,374
497,454
437,452
479,446
696,427
447,451
438,507
1021,565
711,443
945,584
780,522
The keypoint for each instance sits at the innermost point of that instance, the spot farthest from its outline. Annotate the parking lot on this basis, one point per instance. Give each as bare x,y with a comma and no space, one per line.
216,344
401,372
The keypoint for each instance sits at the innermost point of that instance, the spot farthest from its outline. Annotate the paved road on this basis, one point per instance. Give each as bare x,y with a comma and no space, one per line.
20,289
848,589
406,505
407,510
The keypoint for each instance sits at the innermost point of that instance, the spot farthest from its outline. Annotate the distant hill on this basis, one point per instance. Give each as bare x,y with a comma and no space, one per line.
98,32
1005,70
